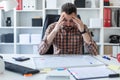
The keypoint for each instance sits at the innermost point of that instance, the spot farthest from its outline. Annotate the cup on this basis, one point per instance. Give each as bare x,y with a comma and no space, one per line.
118,57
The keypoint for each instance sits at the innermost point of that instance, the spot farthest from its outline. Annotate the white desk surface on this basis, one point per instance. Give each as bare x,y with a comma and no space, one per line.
8,75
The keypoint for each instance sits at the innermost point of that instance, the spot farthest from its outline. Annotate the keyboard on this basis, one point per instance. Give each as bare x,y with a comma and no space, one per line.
19,69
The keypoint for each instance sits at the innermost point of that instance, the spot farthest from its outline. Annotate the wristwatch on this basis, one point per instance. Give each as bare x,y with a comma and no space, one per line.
83,31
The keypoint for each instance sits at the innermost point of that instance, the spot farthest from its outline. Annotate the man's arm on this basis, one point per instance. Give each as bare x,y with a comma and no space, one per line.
50,35
48,38
46,42
89,42
58,26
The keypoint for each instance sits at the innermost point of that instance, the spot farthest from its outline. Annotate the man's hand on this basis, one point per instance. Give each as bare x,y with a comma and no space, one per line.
79,23
60,22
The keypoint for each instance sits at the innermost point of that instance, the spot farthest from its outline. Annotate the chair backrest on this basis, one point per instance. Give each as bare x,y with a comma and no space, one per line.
50,18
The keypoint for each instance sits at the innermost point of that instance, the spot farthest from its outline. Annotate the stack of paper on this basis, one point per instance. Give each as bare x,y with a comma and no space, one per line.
24,38
29,4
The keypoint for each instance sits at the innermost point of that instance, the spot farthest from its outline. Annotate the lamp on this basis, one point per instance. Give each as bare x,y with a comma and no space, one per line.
8,4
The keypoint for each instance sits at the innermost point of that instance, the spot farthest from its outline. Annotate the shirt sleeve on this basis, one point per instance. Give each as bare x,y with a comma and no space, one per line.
91,46
44,46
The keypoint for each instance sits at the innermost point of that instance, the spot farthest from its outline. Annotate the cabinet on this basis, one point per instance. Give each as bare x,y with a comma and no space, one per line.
114,28
6,47
22,24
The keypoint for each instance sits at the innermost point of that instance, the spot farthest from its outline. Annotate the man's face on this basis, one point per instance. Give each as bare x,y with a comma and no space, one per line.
68,21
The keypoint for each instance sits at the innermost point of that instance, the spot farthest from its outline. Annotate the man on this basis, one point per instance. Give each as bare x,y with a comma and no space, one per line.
66,35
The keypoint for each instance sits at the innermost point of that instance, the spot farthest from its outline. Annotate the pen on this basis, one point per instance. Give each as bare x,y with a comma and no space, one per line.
91,63
113,75
105,57
114,57
60,69
27,75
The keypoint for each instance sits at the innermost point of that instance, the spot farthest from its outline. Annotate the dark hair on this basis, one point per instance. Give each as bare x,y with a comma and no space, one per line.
69,8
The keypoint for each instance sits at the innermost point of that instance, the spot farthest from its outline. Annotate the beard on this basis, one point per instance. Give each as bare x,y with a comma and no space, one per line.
67,26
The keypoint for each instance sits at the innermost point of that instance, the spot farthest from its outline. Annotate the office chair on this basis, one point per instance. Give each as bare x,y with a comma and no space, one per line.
50,18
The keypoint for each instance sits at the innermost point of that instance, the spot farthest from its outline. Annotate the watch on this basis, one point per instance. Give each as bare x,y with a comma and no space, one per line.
83,31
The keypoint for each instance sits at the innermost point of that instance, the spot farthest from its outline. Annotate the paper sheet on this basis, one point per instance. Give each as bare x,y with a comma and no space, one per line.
114,67
65,61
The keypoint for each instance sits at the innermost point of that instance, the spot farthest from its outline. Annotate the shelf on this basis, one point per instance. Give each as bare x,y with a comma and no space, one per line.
29,44
6,48
52,9
6,44
111,6
77,9
94,27
4,27
28,27
113,28
29,10
111,44
98,43
88,8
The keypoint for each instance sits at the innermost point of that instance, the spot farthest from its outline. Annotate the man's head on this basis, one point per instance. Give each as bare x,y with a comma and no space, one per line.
69,8
69,11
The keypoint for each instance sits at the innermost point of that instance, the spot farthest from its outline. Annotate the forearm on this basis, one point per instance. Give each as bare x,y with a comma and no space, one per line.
57,27
43,47
85,34
89,42
92,48
51,36
46,42
86,38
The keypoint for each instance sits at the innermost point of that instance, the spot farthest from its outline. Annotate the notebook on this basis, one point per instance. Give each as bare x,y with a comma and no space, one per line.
82,73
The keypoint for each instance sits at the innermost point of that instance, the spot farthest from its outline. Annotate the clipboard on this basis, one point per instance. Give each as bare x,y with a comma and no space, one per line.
83,73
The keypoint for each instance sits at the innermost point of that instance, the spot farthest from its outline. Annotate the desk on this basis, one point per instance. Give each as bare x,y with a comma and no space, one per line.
8,75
